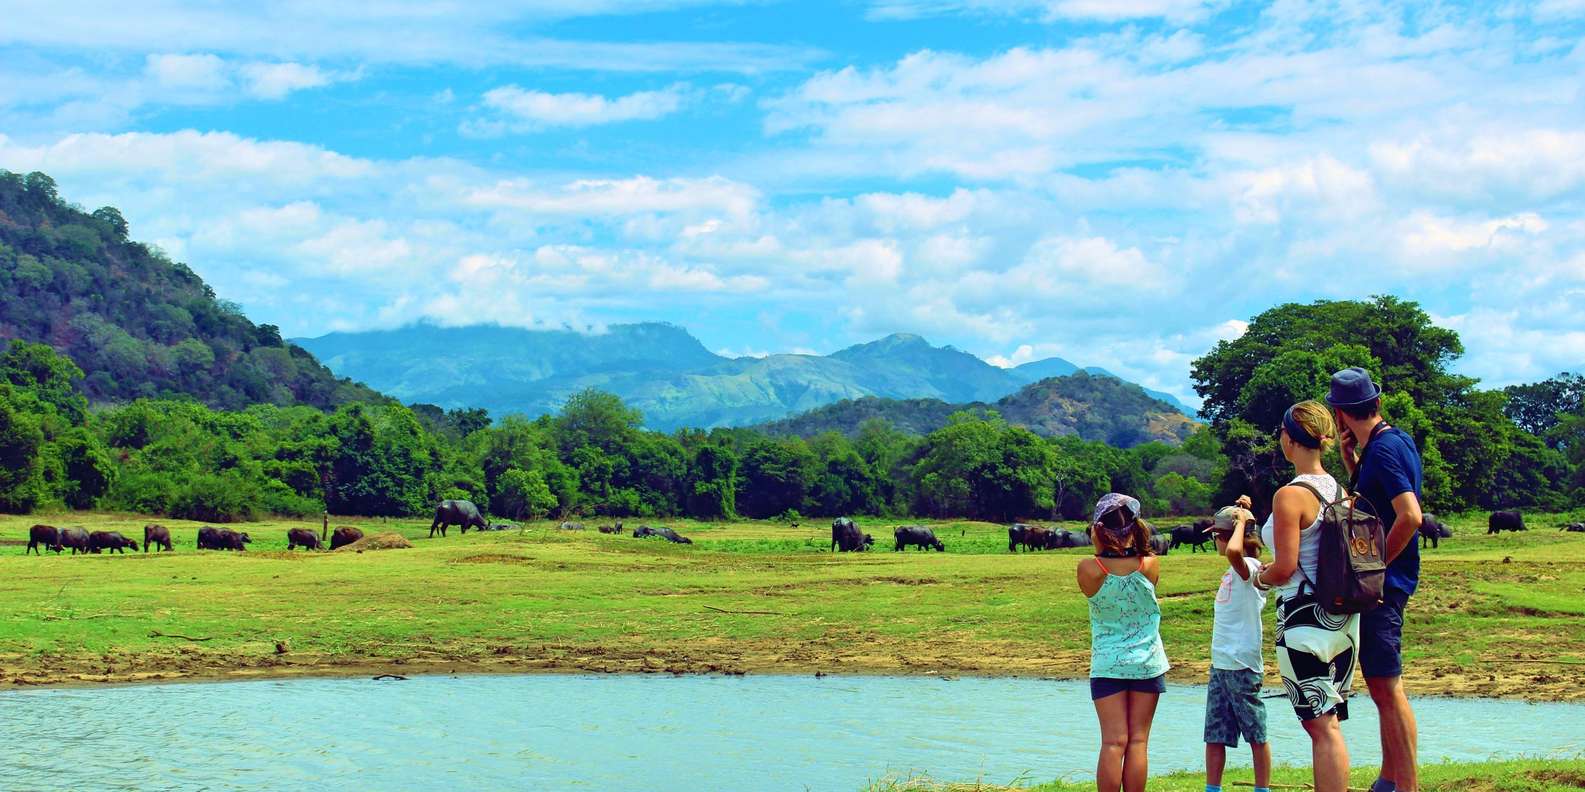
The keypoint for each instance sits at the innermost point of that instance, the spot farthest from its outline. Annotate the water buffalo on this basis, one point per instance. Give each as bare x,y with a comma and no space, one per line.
1192,535
1577,527
1509,520
571,526
1161,545
918,536
75,538
346,534
1029,537
304,538
154,535
46,535
612,529
846,538
212,538
501,526
1432,531
668,534
1062,539
110,540
454,512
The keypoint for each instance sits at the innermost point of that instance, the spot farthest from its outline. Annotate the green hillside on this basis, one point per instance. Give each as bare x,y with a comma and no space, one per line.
139,324
1097,408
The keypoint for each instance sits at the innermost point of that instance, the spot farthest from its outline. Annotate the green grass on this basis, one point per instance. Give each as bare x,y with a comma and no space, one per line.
1524,775
747,596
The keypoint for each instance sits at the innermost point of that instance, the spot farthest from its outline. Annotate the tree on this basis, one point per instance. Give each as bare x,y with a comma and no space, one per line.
1538,407
713,471
21,478
523,494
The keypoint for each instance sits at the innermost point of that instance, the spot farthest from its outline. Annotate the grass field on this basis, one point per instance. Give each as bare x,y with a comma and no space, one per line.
1526,775
1497,615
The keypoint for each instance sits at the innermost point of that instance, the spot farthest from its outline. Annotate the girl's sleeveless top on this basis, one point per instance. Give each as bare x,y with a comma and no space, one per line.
1309,538
1125,629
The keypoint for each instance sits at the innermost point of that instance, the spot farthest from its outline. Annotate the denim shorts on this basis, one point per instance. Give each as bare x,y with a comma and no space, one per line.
1233,707
1101,687
1381,636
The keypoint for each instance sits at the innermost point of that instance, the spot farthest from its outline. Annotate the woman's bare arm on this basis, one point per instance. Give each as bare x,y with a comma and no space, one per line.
1287,509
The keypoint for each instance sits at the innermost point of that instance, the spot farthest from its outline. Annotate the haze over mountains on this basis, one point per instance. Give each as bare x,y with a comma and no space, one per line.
662,370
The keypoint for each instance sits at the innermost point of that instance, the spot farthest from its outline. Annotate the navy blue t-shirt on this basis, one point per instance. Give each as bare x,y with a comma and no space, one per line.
1389,467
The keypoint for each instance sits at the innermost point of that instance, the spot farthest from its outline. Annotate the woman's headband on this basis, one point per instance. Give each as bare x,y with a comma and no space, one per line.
1297,432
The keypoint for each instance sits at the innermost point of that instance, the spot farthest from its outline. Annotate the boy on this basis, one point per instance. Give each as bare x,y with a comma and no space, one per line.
1232,703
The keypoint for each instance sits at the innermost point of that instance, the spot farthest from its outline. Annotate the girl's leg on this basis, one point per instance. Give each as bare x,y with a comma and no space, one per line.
1328,753
1215,762
1113,714
1136,763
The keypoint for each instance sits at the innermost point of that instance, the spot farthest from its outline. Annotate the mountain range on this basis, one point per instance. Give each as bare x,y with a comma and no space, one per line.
663,371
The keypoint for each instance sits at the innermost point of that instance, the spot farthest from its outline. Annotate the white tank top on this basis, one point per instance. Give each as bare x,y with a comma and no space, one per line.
1309,538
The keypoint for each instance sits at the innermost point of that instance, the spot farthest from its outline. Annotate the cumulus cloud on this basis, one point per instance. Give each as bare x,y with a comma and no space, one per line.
187,72
276,80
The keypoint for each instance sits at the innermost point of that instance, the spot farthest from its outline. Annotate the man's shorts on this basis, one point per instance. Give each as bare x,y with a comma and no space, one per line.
1381,636
1101,687
1233,707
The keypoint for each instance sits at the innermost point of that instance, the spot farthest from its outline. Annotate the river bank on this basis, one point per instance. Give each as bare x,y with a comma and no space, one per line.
746,598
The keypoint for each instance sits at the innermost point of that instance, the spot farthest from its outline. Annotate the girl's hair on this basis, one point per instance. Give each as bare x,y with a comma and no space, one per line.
1316,419
1114,523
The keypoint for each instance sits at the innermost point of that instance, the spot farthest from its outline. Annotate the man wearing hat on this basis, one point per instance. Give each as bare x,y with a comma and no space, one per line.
1384,465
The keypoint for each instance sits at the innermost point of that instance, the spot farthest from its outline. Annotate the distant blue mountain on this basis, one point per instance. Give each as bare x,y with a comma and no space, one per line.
660,369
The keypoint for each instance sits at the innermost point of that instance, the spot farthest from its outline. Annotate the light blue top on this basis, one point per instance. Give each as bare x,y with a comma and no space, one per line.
1125,629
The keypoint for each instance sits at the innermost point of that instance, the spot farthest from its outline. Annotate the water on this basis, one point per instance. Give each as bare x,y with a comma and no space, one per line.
652,733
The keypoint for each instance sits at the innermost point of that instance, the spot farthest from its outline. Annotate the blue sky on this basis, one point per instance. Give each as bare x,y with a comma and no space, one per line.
1118,182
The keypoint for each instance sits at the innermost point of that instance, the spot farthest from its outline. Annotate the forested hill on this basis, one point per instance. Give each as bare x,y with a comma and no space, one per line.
136,322
1096,408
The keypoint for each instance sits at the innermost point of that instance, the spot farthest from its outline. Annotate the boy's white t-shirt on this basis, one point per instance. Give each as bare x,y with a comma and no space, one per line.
1236,633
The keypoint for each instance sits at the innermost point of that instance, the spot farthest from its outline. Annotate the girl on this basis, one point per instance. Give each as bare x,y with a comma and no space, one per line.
1128,664
1315,650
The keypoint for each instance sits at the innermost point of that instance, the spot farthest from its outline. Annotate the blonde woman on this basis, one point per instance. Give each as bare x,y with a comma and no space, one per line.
1316,650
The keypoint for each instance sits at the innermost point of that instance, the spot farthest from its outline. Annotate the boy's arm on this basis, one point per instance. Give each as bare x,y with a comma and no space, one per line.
1235,548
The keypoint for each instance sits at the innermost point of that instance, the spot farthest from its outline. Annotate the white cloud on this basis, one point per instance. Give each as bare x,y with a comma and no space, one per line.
276,80
201,72
1428,235
1102,10
614,197
519,110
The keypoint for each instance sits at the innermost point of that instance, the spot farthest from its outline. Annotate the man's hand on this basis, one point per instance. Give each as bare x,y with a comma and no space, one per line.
1348,444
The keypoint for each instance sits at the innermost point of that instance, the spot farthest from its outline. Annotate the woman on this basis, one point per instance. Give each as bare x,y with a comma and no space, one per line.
1316,650
1128,664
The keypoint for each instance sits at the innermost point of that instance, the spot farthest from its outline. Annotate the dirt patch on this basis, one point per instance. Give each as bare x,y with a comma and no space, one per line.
494,558
1567,778
384,541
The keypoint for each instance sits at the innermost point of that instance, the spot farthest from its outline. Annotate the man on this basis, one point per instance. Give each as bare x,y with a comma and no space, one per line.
1385,467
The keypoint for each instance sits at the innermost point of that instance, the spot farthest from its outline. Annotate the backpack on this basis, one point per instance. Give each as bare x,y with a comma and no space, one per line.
1352,566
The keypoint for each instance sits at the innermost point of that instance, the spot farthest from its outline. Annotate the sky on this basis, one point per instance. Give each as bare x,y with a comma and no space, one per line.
1121,183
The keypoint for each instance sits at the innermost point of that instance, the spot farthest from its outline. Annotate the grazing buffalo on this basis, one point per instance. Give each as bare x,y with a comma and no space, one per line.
1432,531
1160,545
668,534
346,534
501,526
158,535
1578,527
1510,520
304,538
110,540
212,538
612,529
1029,537
75,538
846,537
1192,535
455,512
917,536
43,535
571,526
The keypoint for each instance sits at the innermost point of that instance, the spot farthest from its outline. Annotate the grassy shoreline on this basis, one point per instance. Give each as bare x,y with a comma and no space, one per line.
745,598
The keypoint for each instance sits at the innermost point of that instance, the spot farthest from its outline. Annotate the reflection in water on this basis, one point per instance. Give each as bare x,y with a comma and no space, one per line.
650,733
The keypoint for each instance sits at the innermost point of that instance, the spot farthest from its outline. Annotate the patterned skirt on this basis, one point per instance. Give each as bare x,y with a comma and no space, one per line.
1316,654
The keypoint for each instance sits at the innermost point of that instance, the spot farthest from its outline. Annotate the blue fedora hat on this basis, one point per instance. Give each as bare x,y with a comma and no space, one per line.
1351,387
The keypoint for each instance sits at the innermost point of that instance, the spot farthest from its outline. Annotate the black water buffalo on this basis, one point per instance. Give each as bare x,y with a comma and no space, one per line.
1192,535
1509,520
156,535
1029,537
1062,539
346,534
110,540
304,538
1432,531
1577,527
1161,545
456,512
75,538
501,526
846,537
612,529
47,536
917,536
668,534
212,538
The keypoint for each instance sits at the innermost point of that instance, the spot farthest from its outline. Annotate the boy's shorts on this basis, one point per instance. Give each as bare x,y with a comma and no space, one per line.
1233,707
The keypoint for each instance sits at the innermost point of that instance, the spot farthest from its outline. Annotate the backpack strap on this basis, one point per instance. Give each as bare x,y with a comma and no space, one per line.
1321,499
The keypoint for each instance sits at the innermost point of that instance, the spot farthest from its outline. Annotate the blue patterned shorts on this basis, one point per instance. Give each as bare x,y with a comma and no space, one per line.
1233,707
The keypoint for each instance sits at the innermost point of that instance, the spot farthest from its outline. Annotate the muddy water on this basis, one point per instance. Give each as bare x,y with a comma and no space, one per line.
650,733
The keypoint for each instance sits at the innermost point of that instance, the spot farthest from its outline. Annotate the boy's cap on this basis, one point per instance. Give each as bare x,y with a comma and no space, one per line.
1225,517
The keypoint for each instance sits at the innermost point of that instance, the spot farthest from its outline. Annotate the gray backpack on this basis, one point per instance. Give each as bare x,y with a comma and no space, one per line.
1352,566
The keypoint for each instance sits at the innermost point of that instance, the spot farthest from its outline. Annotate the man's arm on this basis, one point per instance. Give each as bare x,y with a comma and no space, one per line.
1406,526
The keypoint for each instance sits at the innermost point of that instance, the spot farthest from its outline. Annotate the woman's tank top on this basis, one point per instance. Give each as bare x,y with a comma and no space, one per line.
1309,538
1125,629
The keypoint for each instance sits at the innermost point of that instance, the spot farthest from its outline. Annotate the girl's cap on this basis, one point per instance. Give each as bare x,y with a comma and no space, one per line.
1112,501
